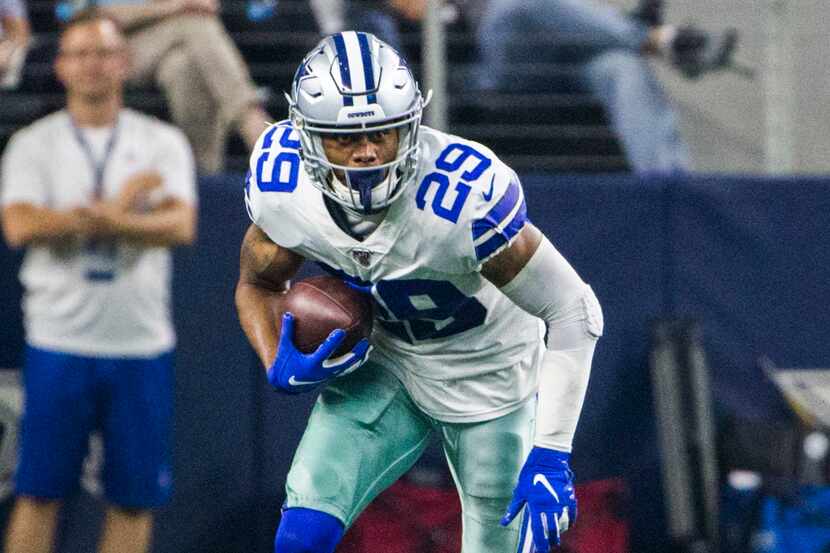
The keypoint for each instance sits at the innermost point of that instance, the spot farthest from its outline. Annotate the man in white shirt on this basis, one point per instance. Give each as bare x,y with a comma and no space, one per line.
98,194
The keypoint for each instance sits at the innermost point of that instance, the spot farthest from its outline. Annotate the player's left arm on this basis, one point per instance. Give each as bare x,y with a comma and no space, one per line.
538,279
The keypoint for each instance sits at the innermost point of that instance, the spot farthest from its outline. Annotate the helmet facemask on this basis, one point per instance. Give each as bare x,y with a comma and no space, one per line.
320,104
363,190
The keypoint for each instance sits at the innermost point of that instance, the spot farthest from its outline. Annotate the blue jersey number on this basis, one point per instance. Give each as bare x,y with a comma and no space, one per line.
416,310
281,173
452,159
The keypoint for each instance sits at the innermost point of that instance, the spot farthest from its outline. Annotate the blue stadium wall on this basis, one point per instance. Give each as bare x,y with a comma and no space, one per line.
748,257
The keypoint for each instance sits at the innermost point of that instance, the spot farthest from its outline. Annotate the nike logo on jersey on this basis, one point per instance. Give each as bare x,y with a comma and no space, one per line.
542,479
294,382
489,194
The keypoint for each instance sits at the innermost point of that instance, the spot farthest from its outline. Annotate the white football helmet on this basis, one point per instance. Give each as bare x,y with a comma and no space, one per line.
352,82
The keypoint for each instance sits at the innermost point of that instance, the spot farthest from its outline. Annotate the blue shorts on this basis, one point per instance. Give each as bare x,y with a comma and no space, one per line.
128,400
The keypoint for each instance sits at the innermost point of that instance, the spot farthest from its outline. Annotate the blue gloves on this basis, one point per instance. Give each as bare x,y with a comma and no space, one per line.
546,486
294,372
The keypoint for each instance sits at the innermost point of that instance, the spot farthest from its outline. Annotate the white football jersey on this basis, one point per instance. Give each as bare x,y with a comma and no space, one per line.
112,298
462,349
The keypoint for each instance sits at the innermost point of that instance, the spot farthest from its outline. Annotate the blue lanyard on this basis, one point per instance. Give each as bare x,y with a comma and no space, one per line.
99,167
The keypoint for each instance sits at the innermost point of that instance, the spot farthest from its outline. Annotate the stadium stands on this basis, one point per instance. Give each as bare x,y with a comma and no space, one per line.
564,130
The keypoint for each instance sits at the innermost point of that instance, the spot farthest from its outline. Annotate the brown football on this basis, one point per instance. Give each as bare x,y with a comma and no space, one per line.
321,304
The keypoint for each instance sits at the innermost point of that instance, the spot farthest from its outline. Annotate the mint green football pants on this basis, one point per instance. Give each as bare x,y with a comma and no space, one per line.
365,432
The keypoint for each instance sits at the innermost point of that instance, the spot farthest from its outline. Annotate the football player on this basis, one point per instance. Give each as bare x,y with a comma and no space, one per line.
484,333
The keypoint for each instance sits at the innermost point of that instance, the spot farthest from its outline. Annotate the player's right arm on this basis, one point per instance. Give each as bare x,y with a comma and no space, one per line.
264,271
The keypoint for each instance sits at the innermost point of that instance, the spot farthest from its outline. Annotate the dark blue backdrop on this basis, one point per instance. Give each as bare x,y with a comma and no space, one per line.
748,257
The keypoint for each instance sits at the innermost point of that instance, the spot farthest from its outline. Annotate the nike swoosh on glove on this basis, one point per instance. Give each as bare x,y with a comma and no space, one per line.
546,487
294,372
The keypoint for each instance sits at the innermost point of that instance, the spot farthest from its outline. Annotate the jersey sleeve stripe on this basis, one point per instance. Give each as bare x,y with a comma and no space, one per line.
500,212
491,228
502,235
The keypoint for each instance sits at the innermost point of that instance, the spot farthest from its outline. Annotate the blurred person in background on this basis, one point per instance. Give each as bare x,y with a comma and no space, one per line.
183,46
611,49
97,194
15,35
378,17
